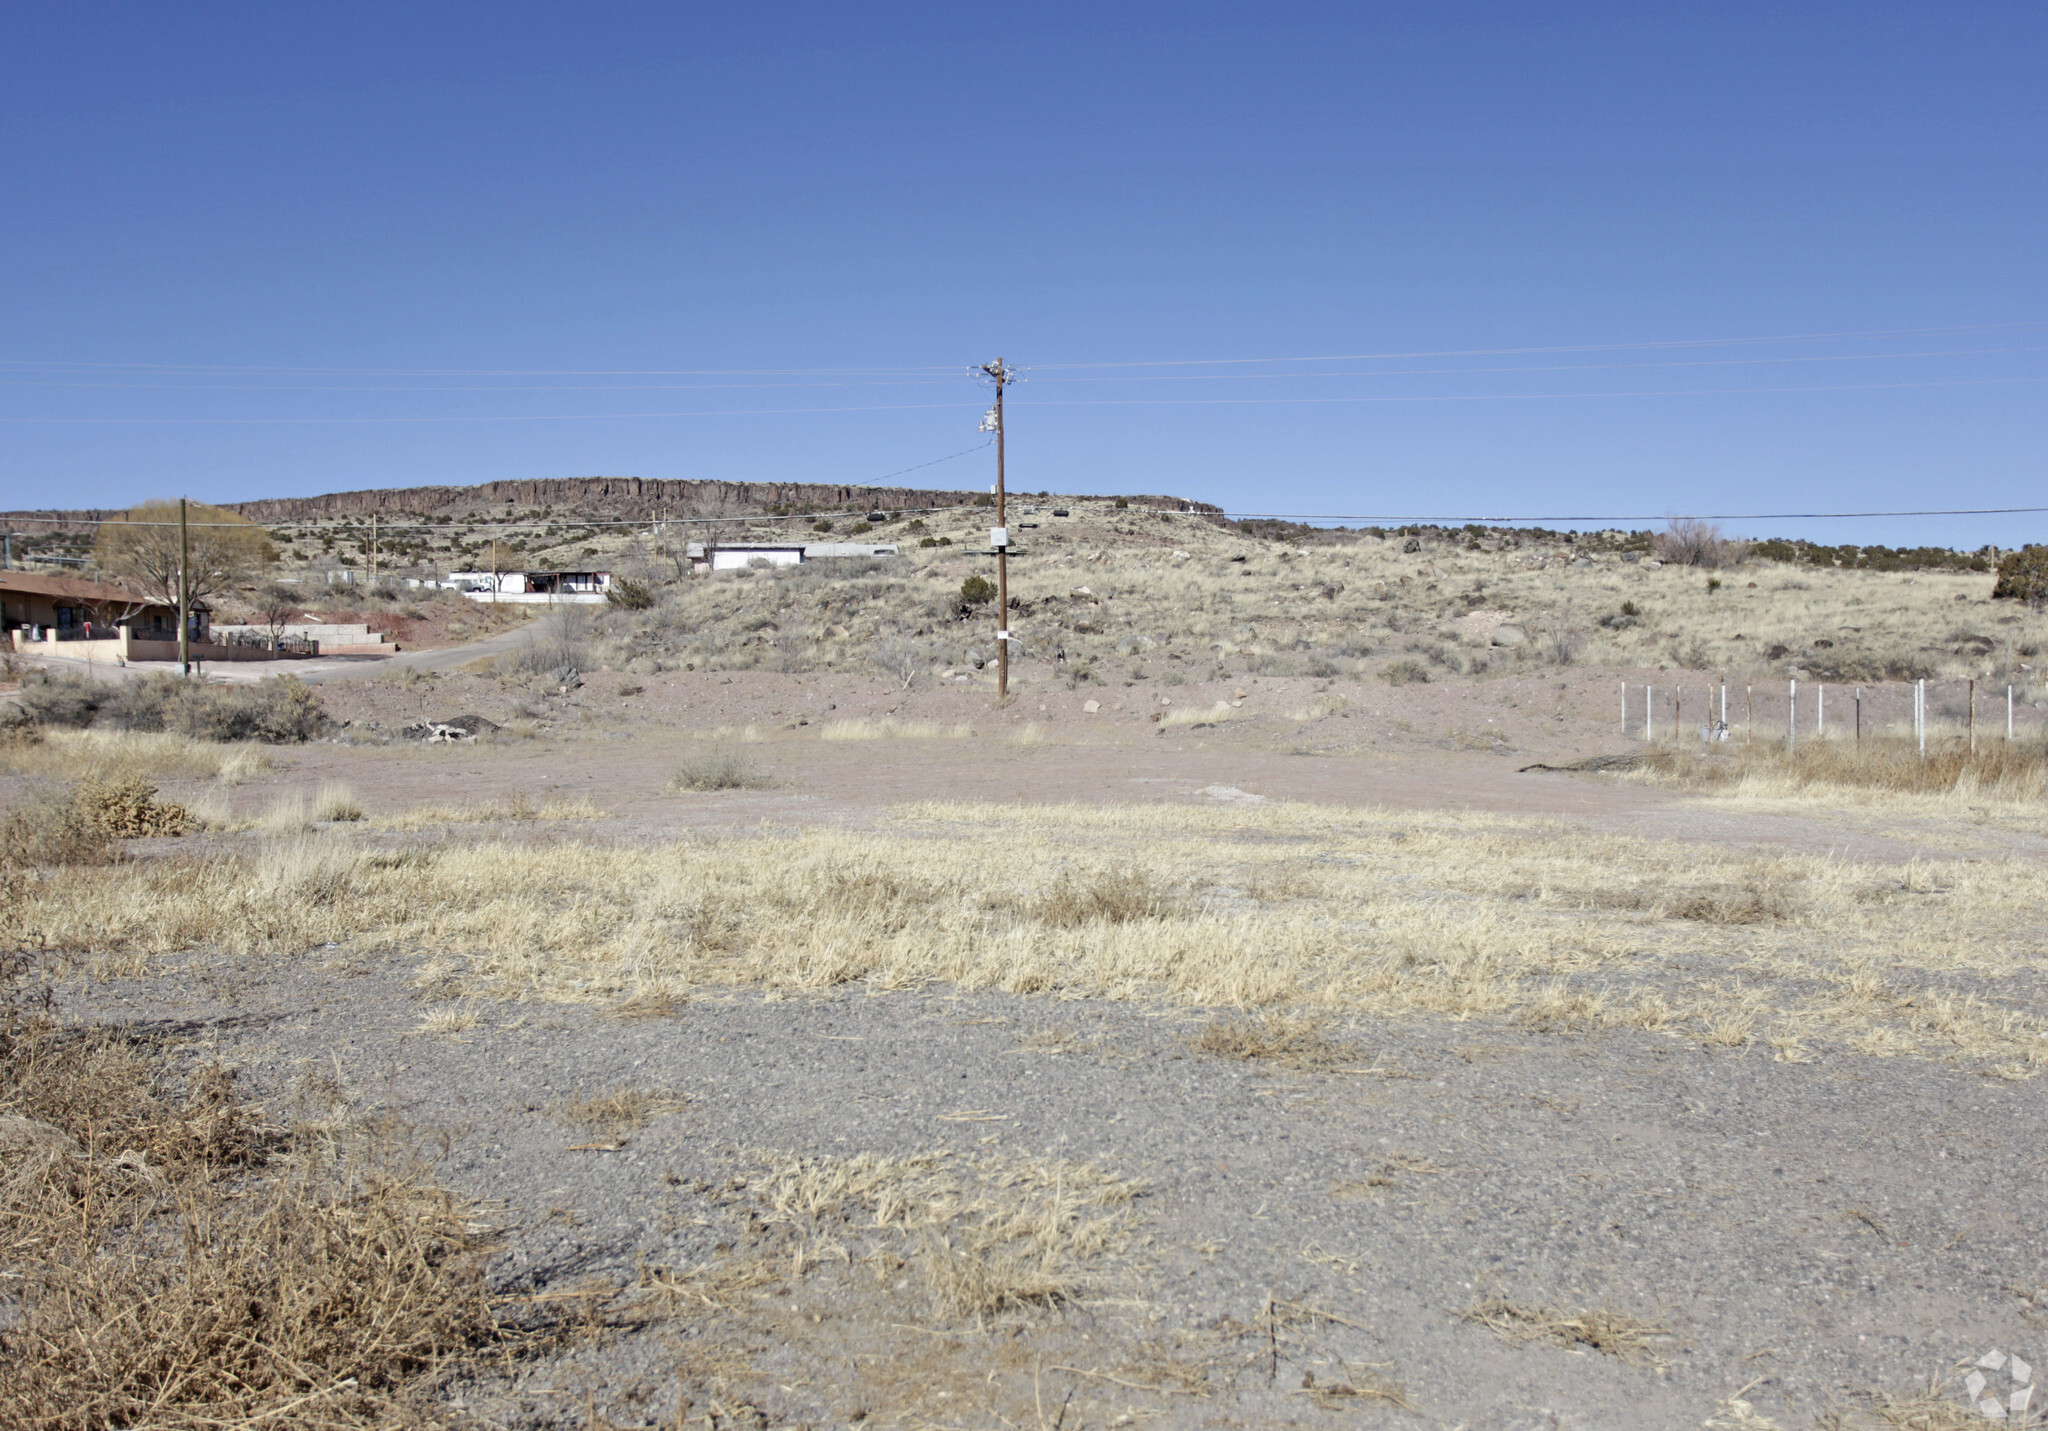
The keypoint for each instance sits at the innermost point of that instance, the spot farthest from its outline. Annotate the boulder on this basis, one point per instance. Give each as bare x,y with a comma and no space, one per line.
1509,636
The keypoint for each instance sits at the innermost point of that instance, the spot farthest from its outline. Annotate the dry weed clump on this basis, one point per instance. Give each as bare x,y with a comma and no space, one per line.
176,1263
989,1234
621,1111
1107,897
718,770
50,833
336,801
1603,1329
83,827
1271,1038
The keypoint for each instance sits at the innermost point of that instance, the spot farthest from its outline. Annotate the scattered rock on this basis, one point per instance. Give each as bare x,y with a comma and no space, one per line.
455,728
1411,545
836,633
1775,652
1508,636
1091,707
1230,794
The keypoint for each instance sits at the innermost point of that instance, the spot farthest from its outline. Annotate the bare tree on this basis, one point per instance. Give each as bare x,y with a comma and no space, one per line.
1690,541
142,549
276,608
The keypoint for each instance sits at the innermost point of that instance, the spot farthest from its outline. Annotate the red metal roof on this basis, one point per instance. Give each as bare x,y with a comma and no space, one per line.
74,588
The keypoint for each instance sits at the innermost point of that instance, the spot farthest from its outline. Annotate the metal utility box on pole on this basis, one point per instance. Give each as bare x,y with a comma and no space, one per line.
184,594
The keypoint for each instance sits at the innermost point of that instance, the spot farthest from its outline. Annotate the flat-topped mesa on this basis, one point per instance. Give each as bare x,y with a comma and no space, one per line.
593,497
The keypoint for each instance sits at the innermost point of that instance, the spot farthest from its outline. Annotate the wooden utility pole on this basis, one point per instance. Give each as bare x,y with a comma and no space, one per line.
184,594
1002,376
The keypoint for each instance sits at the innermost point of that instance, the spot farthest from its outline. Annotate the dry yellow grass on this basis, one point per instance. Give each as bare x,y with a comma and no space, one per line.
889,728
216,1274
1292,1043
131,755
1279,907
514,807
1602,1329
991,1233
1218,714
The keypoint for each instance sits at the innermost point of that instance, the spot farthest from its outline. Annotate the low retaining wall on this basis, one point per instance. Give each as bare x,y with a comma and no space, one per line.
125,648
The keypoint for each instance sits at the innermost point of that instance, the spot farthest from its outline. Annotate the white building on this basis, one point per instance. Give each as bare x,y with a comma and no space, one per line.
537,587
724,556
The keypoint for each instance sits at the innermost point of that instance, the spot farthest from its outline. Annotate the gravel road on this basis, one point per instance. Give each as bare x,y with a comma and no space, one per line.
1305,1248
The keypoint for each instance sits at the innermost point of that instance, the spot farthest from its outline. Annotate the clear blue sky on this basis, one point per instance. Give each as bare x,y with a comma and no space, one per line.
271,249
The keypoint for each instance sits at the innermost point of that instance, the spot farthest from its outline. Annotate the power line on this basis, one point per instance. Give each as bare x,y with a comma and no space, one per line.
1358,401
1660,517
935,370
1561,348
512,417
1176,377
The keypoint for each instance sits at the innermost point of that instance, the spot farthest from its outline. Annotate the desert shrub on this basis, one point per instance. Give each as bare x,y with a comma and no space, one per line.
1122,503
62,700
1691,542
2023,576
20,734
280,710
900,658
977,591
44,834
630,595
1860,664
129,810
717,770
559,641
1405,672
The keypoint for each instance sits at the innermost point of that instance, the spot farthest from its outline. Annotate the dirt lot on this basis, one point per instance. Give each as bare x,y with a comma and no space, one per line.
1322,1068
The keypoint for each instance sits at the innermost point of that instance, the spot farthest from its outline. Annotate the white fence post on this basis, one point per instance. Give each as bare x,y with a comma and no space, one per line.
1792,718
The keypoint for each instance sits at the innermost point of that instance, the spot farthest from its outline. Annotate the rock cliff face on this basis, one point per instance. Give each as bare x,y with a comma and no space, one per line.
600,496
593,497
